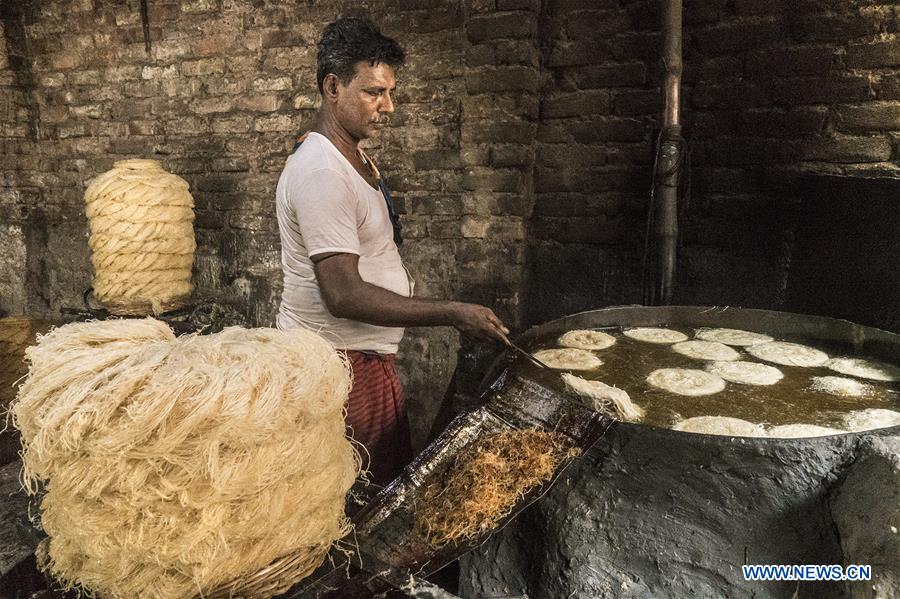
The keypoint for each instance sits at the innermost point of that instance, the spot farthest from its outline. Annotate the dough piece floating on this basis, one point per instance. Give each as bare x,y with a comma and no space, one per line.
732,336
872,418
866,369
655,335
568,359
706,350
586,339
720,425
746,373
797,431
686,381
605,397
788,354
842,386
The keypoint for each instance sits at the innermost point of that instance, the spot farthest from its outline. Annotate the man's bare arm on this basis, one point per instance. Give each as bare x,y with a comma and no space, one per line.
347,296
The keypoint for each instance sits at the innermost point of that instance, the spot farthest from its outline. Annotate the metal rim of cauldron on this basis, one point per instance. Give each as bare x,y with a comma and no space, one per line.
865,340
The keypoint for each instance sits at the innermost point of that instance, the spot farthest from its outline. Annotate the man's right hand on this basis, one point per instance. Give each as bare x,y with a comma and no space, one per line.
479,322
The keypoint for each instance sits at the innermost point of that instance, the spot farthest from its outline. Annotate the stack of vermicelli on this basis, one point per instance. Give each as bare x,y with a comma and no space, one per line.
142,238
174,465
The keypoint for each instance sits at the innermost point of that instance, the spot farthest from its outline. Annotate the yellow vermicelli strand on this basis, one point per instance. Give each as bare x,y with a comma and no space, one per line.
142,238
172,466
485,481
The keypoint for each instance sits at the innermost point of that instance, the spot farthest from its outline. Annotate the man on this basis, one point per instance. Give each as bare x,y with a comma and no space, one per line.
343,276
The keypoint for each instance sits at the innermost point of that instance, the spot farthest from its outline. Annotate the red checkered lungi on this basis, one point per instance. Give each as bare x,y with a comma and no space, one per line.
376,414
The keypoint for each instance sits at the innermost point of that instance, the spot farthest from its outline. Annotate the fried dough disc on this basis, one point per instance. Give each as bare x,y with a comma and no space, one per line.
788,354
655,335
865,369
842,386
706,350
746,373
872,418
732,336
568,359
586,339
686,381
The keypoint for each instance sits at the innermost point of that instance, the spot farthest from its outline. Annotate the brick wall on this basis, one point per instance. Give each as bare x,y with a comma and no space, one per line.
597,116
780,86
520,151
17,121
770,86
219,99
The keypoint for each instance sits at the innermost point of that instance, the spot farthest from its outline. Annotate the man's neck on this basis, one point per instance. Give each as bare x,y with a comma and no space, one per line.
329,127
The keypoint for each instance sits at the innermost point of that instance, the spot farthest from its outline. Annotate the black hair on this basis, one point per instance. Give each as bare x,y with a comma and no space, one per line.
350,40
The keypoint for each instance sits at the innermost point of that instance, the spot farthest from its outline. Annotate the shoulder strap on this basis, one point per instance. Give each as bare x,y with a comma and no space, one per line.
395,218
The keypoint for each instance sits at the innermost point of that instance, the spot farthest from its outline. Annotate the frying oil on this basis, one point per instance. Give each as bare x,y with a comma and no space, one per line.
628,362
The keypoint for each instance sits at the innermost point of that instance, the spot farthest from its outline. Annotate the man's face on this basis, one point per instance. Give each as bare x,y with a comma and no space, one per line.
362,104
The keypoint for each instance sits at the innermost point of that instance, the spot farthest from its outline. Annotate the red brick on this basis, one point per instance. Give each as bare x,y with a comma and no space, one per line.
281,38
644,15
502,25
580,103
874,116
637,102
569,155
877,54
832,27
275,122
213,105
207,66
818,90
259,103
502,79
488,131
602,76
582,52
730,95
740,36
510,155
594,23
888,87
710,123
794,60
703,12
635,46
745,151
841,148
530,5
796,123
759,7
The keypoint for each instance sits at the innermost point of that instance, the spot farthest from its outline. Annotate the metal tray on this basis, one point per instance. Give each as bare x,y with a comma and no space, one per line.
388,551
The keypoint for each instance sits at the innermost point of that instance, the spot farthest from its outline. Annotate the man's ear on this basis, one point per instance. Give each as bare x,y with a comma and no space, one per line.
330,86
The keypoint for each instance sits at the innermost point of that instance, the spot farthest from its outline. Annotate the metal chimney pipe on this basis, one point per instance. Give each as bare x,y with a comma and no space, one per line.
669,153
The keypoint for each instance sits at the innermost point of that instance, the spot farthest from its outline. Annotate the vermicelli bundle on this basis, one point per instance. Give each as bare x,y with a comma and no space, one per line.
142,237
172,466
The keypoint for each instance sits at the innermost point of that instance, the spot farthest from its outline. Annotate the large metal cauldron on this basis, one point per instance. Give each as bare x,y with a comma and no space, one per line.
652,512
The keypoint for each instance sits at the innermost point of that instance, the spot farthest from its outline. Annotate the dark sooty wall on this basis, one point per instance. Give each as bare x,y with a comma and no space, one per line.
520,150
770,86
